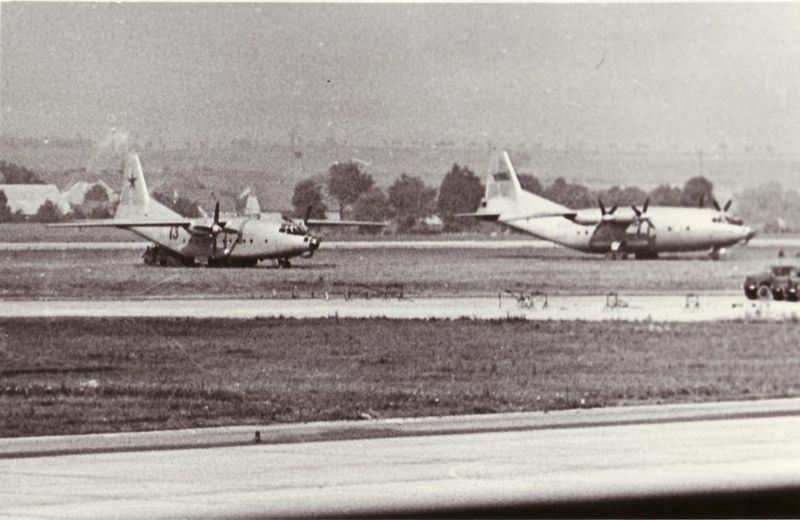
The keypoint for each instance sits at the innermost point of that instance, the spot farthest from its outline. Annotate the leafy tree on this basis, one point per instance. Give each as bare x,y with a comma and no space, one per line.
346,182
461,191
96,194
697,189
372,205
101,212
623,196
47,213
183,206
666,195
308,193
76,213
411,200
769,207
570,195
5,211
13,174
530,183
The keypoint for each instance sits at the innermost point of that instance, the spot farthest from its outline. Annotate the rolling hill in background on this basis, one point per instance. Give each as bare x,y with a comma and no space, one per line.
272,171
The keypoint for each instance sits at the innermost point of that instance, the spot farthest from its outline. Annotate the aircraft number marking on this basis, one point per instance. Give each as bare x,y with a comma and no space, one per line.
173,233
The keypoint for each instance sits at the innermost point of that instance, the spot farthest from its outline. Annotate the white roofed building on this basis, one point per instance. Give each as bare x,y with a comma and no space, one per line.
28,198
76,194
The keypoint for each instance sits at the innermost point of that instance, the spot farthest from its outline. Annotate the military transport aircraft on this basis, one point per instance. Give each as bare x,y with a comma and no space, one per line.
217,242
644,232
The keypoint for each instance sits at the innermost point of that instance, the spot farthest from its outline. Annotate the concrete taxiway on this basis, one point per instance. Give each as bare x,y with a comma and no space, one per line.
530,459
634,307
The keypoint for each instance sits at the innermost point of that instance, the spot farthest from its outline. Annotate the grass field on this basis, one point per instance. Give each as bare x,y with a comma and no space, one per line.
121,273
100,375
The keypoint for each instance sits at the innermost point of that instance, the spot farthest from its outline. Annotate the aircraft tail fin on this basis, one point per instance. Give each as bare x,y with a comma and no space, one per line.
134,199
135,209
502,180
505,196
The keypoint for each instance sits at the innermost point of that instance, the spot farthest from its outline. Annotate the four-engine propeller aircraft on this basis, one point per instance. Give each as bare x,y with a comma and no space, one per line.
217,241
644,232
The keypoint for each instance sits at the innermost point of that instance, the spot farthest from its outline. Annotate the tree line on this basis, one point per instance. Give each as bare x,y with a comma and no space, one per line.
409,201
14,174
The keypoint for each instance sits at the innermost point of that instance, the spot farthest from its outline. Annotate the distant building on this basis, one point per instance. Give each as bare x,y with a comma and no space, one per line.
28,198
434,222
76,194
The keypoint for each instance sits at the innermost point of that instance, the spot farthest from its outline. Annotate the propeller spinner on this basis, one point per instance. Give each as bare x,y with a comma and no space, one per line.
723,211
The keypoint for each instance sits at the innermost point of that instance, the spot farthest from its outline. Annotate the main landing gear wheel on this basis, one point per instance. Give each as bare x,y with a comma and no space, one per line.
158,256
764,293
284,263
716,254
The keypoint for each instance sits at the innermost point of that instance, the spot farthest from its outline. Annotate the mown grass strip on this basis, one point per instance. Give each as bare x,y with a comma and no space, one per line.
62,376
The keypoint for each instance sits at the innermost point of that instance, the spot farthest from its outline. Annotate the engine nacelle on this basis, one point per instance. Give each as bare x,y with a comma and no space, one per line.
199,229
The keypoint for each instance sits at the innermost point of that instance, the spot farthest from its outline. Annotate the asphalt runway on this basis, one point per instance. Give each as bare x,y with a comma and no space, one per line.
709,306
562,457
488,243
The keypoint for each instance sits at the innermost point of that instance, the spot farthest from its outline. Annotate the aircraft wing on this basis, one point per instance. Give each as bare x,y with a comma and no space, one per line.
546,214
331,223
574,216
124,223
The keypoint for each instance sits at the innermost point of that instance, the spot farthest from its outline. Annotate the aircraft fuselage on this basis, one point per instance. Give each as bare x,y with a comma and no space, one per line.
667,229
256,240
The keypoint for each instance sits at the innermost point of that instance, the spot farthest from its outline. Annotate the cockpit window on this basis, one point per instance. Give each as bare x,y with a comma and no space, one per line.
296,230
293,229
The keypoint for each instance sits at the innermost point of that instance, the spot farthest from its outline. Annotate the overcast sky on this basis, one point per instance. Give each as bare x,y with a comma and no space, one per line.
684,75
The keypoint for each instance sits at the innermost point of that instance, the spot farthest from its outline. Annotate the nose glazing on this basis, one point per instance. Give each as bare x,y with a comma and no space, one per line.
313,244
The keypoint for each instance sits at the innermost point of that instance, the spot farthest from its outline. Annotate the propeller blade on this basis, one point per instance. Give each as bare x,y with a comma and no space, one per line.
715,204
612,210
308,215
602,208
636,211
646,204
216,213
232,245
702,201
728,205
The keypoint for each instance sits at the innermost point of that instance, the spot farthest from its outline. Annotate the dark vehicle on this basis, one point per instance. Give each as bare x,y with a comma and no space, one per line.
782,282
